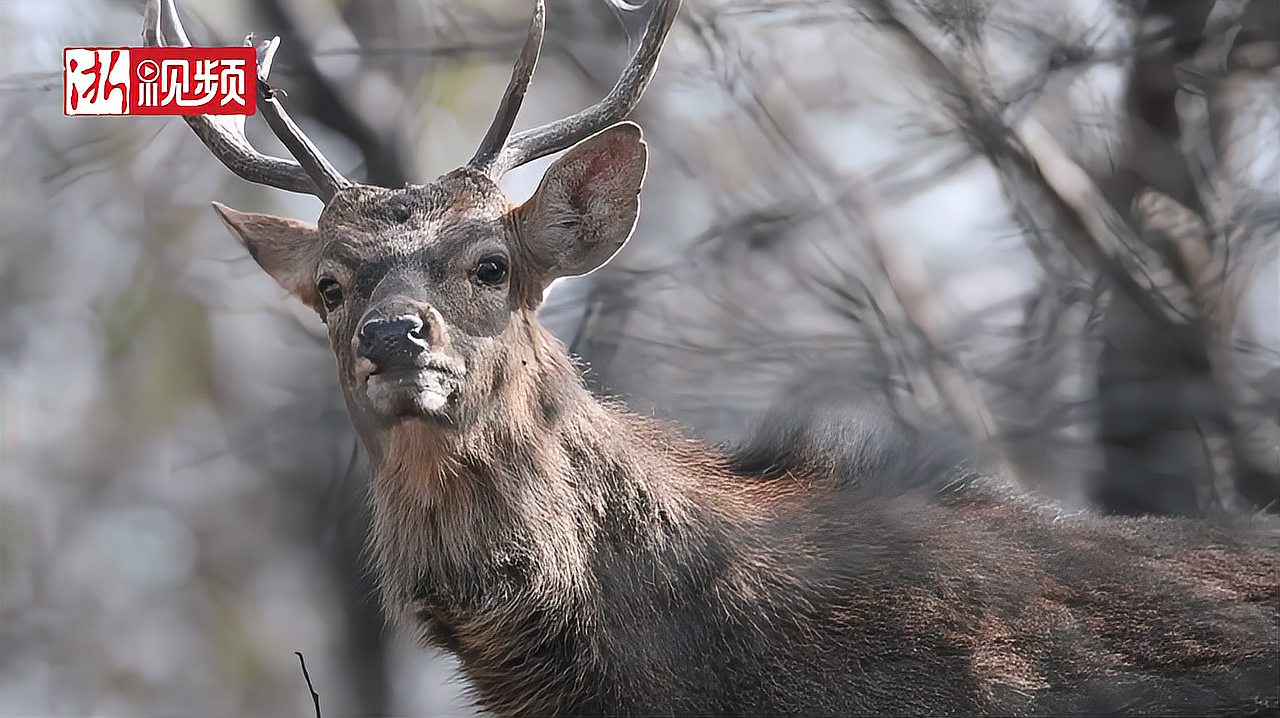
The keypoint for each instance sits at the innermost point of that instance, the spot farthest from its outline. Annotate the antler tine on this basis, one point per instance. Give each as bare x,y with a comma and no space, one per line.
225,136
541,141
321,171
494,140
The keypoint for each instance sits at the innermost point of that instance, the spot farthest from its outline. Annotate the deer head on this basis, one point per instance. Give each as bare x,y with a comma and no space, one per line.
428,290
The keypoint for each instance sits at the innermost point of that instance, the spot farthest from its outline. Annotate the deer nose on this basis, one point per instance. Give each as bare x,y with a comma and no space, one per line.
394,343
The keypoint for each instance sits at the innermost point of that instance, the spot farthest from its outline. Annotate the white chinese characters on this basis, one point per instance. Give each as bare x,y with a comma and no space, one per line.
182,82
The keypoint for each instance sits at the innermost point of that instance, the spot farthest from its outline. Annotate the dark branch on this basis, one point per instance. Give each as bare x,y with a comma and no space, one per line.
315,697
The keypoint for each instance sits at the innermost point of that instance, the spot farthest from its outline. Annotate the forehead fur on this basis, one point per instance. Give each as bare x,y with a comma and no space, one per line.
365,213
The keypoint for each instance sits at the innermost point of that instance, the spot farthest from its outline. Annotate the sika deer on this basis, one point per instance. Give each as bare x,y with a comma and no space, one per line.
579,559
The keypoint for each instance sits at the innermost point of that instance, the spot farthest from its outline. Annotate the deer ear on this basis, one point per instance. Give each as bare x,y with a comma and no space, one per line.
288,249
586,206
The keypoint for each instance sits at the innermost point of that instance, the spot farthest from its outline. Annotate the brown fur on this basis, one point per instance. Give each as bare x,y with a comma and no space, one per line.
498,544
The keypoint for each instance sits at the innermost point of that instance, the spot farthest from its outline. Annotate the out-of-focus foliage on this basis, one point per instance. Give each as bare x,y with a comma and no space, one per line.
860,200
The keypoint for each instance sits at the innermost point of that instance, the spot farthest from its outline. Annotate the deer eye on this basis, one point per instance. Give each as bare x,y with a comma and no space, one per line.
491,270
330,293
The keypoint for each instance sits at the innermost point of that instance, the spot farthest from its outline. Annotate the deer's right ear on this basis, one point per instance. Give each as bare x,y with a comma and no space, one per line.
288,249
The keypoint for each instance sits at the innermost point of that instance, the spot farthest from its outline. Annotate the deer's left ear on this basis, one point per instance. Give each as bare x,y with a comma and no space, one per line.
288,249
586,206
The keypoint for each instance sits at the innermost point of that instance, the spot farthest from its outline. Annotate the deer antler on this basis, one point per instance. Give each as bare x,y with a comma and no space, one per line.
309,173
494,140
499,153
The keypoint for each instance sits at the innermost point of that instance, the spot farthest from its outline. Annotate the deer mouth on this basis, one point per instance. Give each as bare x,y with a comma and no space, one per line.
412,391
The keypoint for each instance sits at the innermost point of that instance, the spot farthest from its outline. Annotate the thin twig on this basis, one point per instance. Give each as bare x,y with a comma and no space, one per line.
315,697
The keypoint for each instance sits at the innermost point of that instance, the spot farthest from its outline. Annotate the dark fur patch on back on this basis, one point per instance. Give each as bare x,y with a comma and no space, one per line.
860,449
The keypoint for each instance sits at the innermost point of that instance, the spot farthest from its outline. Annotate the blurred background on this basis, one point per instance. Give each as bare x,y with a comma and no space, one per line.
1049,224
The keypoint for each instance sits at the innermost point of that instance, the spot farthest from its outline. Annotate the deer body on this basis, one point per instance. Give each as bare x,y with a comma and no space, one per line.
583,561
580,560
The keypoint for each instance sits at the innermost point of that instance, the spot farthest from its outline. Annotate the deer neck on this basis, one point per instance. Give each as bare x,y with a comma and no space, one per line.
512,513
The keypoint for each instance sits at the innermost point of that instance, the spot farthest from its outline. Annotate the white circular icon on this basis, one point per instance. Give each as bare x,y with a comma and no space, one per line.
148,70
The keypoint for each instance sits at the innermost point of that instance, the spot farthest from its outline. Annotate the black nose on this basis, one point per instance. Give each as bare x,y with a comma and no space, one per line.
392,343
